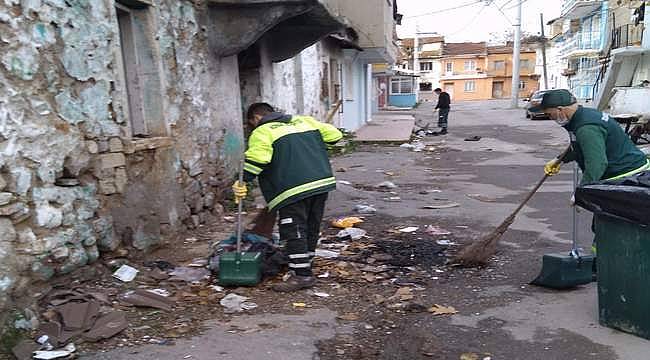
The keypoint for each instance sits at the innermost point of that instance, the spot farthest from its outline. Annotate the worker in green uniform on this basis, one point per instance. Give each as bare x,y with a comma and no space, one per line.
599,145
288,155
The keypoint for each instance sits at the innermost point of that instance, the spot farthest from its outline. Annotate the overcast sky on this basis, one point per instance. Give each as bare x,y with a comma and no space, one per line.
475,22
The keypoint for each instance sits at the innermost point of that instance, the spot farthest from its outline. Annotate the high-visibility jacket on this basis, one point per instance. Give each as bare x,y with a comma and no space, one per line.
289,155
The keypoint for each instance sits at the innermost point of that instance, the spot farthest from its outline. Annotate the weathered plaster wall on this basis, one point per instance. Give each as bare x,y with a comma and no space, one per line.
73,182
293,85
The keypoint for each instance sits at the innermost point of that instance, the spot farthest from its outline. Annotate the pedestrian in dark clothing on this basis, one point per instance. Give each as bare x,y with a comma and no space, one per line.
288,155
443,106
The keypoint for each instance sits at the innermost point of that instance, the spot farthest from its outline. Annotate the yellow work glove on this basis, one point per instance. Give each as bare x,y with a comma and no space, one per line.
240,191
552,167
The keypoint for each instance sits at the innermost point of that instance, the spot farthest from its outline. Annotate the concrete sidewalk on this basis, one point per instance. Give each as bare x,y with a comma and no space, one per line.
387,127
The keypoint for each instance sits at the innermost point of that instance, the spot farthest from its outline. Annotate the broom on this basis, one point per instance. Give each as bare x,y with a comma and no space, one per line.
479,252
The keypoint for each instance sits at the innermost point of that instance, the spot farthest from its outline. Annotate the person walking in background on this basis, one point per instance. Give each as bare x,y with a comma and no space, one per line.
443,106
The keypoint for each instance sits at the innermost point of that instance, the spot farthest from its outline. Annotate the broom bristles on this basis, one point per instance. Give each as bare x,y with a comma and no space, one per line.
479,252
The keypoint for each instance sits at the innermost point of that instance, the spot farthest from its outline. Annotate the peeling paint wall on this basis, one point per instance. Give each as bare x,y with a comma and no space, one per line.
73,181
293,85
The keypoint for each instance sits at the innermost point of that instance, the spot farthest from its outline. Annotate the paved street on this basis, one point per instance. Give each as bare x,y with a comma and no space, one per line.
500,315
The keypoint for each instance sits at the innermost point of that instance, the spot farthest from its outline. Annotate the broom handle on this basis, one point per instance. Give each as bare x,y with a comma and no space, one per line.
532,192
240,207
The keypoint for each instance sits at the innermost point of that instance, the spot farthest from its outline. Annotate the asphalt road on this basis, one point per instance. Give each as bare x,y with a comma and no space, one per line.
500,315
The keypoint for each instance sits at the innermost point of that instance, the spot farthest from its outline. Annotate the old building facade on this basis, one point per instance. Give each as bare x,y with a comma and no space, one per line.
121,122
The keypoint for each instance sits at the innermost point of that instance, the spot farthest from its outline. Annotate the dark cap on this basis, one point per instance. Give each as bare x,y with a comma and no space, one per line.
553,98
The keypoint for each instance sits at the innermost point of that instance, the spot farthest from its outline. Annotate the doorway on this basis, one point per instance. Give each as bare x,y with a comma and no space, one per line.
497,89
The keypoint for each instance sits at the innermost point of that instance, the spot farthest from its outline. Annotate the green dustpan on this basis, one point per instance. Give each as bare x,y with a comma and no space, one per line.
565,271
238,268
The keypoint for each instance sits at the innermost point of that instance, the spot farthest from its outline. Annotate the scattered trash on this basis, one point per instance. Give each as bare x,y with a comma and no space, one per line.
55,354
327,254
403,294
343,182
145,298
393,199
125,273
480,197
442,310
442,206
346,222
161,292
24,349
417,147
352,233
216,288
321,294
324,275
189,274
446,242
473,138
107,326
409,229
299,305
198,263
386,185
234,303
474,356
434,230
348,317
365,209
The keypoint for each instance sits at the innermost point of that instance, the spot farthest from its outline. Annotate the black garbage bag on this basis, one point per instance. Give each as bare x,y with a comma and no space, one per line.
626,199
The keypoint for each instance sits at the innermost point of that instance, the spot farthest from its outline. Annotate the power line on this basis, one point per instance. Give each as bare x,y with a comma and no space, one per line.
445,10
470,22
503,13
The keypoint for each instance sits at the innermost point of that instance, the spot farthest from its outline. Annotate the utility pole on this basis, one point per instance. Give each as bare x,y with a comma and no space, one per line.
541,20
416,62
515,58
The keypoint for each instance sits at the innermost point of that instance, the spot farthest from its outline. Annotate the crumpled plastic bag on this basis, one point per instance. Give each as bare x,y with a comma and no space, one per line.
626,199
352,233
234,303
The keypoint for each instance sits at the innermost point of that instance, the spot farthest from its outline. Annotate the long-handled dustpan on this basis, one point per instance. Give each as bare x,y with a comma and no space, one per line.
240,268
565,271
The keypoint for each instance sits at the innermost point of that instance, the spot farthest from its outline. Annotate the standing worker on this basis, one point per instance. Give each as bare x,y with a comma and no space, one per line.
288,154
598,143
443,106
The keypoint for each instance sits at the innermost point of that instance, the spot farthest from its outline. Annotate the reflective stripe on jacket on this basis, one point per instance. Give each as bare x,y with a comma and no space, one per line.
289,155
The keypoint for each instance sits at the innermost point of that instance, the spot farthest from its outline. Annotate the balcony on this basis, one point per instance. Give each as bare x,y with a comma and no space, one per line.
374,22
576,9
581,44
627,35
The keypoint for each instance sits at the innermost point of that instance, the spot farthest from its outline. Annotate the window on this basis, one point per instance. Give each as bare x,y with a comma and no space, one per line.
470,86
522,85
426,86
140,64
524,64
499,65
426,66
449,67
470,65
401,85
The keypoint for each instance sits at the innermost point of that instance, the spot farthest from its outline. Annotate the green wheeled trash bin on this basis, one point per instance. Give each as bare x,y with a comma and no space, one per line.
623,274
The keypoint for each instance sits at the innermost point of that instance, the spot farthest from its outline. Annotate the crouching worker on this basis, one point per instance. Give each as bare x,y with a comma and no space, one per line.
288,154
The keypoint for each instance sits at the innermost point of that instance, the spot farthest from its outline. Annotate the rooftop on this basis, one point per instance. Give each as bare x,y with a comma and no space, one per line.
466,48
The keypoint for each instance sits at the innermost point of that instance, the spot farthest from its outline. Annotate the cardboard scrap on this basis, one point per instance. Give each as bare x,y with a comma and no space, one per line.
442,310
146,298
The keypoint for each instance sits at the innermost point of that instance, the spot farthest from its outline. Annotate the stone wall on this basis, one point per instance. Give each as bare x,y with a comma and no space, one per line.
73,180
